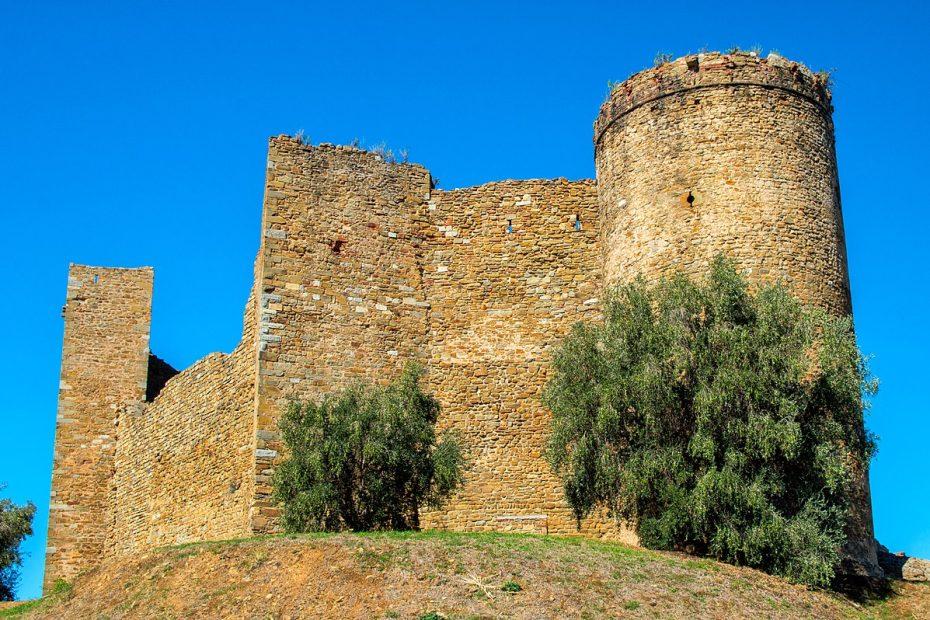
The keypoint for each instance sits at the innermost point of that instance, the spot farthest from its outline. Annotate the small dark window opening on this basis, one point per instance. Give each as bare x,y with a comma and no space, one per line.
690,199
509,226
337,246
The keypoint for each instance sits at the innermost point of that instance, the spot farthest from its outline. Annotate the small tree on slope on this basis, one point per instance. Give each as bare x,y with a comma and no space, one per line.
15,525
715,420
366,458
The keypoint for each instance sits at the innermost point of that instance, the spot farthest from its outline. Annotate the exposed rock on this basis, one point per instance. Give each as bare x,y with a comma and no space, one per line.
900,566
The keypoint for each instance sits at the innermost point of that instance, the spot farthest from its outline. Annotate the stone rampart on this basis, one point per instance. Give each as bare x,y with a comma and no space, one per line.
508,268
339,282
184,461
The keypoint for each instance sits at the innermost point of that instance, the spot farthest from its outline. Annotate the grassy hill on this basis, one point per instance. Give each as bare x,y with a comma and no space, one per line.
437,575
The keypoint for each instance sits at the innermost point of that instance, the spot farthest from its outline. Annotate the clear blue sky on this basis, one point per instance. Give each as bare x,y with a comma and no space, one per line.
134,133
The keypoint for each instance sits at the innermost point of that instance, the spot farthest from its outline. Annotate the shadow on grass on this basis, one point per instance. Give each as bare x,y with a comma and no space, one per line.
864,590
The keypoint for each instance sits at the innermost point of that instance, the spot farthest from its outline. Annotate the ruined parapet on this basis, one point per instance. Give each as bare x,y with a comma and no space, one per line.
104,367
734,154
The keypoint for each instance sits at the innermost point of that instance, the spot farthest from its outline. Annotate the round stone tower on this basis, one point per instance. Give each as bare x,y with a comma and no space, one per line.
723,153
734,154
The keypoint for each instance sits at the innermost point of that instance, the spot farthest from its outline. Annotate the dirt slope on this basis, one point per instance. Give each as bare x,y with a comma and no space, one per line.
402,575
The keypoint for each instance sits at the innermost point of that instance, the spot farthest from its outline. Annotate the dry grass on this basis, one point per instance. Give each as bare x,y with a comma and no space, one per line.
413,575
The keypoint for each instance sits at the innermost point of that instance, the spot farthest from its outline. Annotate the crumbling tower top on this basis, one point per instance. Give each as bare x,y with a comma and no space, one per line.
712,70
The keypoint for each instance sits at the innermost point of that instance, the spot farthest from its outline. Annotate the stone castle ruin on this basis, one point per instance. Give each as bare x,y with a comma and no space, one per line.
364,265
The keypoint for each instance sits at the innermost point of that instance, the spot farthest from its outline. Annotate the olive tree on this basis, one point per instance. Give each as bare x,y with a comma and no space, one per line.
716,419
15,525
365,458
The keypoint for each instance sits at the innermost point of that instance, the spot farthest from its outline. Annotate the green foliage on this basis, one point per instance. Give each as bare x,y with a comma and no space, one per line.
662,58
511,587
61,591
366,458
382,151
611,86
715,420
15,525
61,587
755,50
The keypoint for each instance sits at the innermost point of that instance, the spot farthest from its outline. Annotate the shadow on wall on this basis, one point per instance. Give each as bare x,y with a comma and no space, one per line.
160,372
901,566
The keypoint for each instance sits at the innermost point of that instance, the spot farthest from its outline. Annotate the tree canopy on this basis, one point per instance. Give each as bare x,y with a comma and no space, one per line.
715,419
15,525
365,458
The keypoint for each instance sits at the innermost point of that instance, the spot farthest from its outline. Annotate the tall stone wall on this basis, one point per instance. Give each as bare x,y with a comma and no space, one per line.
508,268
104,366
184,461
339,282
728,153
363,268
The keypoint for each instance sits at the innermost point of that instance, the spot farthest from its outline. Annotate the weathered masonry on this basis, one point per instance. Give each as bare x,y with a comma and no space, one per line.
363,265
